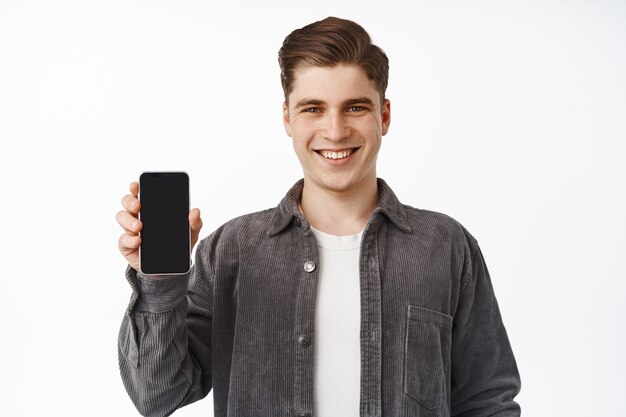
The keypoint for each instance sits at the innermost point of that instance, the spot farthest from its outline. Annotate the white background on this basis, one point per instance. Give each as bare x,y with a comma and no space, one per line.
508,116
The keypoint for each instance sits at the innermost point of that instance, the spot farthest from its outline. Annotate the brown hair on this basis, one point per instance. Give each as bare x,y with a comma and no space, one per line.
328,43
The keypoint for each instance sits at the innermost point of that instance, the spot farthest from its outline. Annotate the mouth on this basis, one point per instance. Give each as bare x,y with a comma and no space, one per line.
337,153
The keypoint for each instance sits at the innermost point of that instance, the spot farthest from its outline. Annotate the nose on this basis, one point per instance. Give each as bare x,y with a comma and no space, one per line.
336,126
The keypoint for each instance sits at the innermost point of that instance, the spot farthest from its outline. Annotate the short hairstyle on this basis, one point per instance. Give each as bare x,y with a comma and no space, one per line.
328,43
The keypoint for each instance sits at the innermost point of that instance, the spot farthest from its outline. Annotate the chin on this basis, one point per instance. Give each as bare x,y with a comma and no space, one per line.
337,184
338,187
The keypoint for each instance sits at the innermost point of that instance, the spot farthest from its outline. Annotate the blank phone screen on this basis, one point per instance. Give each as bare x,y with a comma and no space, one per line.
164,198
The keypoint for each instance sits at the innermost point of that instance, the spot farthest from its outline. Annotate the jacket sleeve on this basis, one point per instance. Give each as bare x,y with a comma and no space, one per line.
485,378
164,343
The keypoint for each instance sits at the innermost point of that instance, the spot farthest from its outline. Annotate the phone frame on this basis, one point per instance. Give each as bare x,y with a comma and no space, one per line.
188,229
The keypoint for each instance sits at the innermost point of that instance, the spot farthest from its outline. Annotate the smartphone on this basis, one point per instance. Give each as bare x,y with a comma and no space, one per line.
165,236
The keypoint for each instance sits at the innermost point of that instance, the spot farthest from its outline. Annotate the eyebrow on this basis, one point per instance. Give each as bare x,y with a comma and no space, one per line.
349,102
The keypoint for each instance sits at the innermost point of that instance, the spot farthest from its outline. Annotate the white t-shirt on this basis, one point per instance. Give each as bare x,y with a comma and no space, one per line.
337,371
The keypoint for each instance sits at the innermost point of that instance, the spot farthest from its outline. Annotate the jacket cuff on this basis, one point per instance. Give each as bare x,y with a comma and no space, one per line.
157,294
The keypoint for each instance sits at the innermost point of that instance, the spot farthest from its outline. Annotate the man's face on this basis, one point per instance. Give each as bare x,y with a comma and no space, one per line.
335,119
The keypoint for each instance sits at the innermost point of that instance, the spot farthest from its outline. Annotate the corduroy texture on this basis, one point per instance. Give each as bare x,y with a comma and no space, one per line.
432,340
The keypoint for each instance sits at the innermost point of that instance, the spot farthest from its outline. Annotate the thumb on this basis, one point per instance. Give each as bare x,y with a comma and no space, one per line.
195,223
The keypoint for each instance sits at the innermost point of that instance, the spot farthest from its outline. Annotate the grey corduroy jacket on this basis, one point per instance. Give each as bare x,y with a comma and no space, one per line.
242,321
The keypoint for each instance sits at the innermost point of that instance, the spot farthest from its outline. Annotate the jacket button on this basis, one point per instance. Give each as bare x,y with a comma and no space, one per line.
304,341
309,266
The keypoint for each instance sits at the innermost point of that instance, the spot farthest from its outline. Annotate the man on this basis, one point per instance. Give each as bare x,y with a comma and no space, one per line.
341,301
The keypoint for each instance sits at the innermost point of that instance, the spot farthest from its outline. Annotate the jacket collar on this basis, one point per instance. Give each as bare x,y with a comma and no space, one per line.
288,210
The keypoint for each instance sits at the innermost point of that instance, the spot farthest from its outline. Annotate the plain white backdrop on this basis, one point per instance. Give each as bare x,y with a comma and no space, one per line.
508,116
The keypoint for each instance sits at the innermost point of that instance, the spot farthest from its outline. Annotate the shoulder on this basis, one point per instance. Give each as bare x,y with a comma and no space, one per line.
438,226
441,231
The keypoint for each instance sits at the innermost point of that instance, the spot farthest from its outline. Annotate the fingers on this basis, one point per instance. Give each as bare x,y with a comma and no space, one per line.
128,244
134,188
131,204
130,201
129,223
195,222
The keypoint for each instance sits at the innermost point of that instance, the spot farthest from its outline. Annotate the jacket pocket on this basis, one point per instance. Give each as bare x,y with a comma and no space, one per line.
426,355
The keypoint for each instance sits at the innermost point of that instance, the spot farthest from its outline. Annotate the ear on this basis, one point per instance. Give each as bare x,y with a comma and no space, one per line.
287,120
386,116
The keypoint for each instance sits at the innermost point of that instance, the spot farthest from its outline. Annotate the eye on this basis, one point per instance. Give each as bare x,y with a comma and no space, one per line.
311,110
355,108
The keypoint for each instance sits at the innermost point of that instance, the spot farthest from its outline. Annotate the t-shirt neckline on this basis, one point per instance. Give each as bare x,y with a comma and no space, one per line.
337,242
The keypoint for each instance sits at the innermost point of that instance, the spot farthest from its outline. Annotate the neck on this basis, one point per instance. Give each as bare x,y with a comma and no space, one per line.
339,212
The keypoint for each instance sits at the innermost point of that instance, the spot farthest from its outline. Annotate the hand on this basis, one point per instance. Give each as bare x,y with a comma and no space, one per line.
129,242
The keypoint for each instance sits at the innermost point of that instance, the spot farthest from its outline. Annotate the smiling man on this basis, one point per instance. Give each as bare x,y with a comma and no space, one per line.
340,301
336,118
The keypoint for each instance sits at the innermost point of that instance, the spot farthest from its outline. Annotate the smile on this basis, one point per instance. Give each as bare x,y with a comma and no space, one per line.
337,154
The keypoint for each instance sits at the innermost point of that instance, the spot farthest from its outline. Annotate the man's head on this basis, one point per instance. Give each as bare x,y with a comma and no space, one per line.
328,43
335,108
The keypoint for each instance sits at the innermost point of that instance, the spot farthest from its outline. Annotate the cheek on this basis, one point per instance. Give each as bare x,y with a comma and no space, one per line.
375,121
303,129
300,142
372,127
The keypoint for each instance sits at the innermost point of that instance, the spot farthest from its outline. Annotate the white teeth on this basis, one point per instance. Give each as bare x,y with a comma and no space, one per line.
336,155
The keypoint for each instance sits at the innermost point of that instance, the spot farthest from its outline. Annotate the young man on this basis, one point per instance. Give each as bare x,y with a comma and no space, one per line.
341,301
